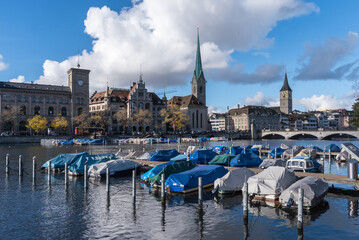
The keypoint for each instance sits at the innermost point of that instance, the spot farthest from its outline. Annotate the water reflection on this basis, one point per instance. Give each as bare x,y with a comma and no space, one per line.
353,208
163,216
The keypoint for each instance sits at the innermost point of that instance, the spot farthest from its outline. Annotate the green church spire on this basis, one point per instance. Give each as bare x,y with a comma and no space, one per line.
198,69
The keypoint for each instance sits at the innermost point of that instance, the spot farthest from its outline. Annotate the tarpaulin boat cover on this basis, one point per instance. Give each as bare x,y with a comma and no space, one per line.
318,149
279,152
292,152
284,146
114,166
342,156
78,166
164,155
235,150
191,149
307,152
60,160
332,147
314,190
224,159
233,180
66,142
189,179
219,149
181,157
202,156
146,156
246,160
268,162
155,170
172,169
273,180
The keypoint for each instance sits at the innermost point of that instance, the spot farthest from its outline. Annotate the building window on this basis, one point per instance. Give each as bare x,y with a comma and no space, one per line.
147,106
197,119
22,126
37,110
140,94
23,110
26,99
19,98
67,100
201,120
50,111
40,99
4,98
54,100
60,100
63,112
33,99
79,111
193,120
140,105
47,99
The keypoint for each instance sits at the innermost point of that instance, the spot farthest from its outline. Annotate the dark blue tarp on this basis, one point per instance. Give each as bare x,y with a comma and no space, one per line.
246,160
280,151
155,170
318,149
78,166
202,156
164,155
181,157
202,139
66,142
189,179
70,158
332,147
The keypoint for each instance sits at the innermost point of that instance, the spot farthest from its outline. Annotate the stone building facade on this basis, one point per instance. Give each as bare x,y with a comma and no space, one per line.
45,100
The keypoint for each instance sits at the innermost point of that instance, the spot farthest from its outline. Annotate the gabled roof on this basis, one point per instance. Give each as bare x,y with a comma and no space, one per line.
285,86
186,101
122,94
257,110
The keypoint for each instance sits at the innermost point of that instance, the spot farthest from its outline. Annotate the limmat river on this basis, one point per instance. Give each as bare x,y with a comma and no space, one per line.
52,211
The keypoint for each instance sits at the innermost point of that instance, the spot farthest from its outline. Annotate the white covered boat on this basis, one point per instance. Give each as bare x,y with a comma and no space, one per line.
233,181
116,167
314,190
268,162
270,183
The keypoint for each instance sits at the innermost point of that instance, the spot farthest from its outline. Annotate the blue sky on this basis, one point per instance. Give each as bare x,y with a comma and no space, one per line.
246,47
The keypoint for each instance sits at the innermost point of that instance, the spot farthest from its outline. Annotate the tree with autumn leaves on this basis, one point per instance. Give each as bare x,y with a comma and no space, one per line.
38,123
174,117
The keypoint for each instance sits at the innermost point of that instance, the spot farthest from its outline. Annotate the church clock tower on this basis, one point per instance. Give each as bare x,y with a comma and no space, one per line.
286,97
198,80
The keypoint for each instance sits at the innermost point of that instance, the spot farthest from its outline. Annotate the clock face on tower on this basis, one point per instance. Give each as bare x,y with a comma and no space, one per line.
283,95
80,82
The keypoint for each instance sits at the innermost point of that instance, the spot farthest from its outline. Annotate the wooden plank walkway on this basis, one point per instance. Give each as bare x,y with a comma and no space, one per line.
329,178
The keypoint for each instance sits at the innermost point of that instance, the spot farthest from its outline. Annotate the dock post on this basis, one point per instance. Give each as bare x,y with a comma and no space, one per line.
275,153
300,209
163,188
245,201
20,165
187,156
330,156
66,174
85,176
7,163
134,184
33,170
49,172
107,180
200,192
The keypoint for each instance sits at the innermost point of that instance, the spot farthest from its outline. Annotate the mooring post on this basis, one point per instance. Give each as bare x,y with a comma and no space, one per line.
330,155
33,170
7,163
245,201
66,174
275,153
85,175
200,192
187,156
134,184
107,180
163,187
49,172
20,165
300,209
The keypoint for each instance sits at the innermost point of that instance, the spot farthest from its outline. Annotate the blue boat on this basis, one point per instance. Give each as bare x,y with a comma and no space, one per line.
280,151
235,150
155,170
220,149
317,149
78,167
59,161
164,155
304,164
246,160
332,147
181,157
202,156
188,181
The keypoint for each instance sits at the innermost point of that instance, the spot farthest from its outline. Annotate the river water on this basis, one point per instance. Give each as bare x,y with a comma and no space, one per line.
52,211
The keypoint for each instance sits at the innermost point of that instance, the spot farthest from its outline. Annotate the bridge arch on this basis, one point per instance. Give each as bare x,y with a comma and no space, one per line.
303,135
339,135
273,136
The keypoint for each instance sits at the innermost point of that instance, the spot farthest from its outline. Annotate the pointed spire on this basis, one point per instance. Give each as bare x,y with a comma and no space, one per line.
164,98
107,94
198,68
285,86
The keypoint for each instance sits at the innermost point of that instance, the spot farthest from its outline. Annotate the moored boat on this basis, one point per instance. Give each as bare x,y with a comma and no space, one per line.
233,181
116,167
303,164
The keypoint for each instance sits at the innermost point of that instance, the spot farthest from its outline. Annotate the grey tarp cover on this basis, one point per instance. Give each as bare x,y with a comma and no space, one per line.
284,146
273,180
114,166
268,162
308,152
314,189
342,156
233,180
146,156
288,153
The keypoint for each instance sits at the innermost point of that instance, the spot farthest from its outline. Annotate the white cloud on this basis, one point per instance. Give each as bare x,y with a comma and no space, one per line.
214,109
323,102
260,100
19,79
160,36
263,54
325,61
3,65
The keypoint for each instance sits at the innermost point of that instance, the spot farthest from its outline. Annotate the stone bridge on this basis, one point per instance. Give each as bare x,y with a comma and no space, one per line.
321,135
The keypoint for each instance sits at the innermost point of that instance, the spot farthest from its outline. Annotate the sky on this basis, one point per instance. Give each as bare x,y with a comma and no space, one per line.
246,47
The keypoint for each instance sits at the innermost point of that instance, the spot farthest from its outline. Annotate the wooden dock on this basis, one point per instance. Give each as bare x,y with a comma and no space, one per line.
329,178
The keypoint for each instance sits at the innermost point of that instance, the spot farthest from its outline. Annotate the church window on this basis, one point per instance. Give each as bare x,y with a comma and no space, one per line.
193,120
197,119
200,89
201,121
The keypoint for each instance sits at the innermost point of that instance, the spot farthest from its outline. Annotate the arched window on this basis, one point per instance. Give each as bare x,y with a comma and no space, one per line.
79,111
133,105
37,110
201,121
200,89
50,111
22,126
23,110
63,112
40,99
140,105
197,119
7,107
193,119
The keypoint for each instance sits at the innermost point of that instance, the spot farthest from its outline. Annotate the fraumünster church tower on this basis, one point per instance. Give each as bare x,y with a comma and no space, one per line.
198,80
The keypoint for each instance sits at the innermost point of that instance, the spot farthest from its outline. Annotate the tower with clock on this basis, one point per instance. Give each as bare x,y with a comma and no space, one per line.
286,97
78,80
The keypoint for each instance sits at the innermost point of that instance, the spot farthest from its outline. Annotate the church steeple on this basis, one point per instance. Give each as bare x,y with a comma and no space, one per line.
198,67
286,101
198,80
164,98
285,86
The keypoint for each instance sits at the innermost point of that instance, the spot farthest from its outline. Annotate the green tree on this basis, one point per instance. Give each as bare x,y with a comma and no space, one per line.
122,119
142,118
174,117
37,123
355,120
60,123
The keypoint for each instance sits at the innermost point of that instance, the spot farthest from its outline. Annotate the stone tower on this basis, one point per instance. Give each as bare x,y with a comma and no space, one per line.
78,80
198,80
286,97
